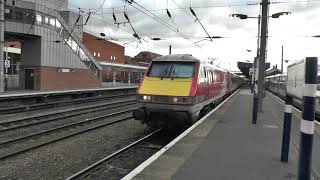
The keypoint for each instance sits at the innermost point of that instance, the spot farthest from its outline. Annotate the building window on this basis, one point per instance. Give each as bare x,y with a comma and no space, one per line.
98,54
94,54
111,57
114,58
8,13
46,20
39,18
58,24
53,22
13,3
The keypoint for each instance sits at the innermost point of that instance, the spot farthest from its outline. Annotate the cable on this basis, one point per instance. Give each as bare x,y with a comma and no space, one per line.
99,7
155,17
197,19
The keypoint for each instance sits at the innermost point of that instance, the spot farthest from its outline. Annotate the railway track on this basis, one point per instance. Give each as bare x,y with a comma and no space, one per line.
25,143
38,106
14,140
120,163
61,115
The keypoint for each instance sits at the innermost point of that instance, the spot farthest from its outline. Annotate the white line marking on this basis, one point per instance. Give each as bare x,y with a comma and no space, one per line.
307,126
292,139
146,163
31,93
288,108
316,122
310,90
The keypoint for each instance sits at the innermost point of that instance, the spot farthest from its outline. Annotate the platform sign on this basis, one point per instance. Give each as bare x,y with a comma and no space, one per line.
7,63
296,79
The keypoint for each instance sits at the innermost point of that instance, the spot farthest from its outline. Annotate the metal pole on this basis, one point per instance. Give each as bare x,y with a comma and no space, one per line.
256,58
1,46
262,55
259,34
282,59
6,73
252,76
258,47
286,129
169,49
307,120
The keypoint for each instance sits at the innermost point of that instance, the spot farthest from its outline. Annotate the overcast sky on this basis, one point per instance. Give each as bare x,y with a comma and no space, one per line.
291,31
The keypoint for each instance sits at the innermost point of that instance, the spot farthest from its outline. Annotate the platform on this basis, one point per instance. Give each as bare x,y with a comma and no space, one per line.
23,93
226,146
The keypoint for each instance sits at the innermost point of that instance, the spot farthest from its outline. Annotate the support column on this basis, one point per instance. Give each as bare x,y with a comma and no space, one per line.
114,77
129,78
1,46
262,55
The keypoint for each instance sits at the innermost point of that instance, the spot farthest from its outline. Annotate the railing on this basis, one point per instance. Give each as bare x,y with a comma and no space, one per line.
70,38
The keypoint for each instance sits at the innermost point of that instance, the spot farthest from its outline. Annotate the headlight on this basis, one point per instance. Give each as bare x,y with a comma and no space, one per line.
182,100
144,98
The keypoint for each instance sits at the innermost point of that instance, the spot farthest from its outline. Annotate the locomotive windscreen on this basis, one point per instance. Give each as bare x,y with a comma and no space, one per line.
171,69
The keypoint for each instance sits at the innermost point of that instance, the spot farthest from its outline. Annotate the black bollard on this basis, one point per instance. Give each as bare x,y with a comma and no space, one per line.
286,129
307,120
255,109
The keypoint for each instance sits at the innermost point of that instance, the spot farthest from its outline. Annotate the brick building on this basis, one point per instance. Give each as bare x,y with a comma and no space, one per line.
144,58
103,50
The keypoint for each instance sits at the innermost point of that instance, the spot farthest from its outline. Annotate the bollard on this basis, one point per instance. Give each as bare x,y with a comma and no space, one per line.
252,88
286,129
307,121
255,109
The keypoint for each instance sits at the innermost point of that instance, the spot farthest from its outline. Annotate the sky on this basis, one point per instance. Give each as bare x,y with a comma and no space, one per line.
181,31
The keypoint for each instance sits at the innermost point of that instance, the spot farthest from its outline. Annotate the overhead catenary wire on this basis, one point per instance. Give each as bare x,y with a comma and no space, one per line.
104,1
158,19
197,19
135,32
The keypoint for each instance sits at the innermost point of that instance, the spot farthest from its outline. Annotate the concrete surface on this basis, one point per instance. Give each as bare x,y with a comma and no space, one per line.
227,146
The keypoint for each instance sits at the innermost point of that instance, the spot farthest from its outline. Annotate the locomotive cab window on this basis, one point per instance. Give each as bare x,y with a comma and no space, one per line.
171,70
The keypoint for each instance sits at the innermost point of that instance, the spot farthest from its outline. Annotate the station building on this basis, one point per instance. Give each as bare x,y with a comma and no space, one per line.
144,58
51,51
52,54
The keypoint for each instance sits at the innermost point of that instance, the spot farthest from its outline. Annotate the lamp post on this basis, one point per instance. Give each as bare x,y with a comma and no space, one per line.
261,53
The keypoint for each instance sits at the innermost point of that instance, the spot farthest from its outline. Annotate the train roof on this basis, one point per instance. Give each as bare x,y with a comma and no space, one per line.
177,57
189,58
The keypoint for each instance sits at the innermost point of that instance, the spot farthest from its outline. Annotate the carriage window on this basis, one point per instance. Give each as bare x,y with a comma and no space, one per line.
182,70
159,69
171,70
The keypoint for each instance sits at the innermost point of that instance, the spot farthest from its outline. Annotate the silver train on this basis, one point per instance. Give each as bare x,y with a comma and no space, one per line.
277,85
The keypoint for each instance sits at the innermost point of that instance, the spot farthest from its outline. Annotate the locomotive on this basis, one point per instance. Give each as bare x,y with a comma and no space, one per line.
178,89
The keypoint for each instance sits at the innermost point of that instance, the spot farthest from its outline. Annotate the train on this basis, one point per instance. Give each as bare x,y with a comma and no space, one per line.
276,84
179,89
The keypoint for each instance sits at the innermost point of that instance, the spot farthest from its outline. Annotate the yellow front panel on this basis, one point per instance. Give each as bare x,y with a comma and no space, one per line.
166,86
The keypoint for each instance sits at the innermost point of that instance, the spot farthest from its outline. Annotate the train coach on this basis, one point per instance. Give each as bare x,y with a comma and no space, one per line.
276,84
178,89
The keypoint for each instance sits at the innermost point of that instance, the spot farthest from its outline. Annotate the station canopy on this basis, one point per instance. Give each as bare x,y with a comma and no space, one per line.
245,67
